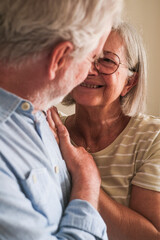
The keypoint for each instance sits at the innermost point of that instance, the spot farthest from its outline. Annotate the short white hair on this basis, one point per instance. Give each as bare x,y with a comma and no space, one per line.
30,27
134,102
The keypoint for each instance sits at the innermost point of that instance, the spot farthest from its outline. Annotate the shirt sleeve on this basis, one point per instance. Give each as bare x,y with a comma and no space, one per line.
81,215
19,220
148,174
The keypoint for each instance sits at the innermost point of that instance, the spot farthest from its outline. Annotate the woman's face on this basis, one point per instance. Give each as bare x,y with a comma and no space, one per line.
111,86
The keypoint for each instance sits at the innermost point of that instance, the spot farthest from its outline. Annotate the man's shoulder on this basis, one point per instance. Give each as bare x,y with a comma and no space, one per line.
8,103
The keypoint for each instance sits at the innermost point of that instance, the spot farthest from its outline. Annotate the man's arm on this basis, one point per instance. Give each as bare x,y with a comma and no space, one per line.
31,204
19,219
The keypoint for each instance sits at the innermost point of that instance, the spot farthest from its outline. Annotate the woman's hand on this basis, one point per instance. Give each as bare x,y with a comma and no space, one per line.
51,122
85,175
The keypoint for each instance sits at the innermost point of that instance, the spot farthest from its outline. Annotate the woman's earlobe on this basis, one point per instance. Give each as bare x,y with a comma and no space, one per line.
131,82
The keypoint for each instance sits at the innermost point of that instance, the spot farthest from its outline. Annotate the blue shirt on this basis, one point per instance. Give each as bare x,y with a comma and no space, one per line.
35,183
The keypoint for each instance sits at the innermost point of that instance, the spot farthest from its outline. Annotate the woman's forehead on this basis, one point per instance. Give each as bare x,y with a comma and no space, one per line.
115,44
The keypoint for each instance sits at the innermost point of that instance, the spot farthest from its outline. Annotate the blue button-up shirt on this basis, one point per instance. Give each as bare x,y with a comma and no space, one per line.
35,183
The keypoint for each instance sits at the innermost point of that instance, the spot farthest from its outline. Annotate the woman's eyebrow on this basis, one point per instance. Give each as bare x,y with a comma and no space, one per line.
105,52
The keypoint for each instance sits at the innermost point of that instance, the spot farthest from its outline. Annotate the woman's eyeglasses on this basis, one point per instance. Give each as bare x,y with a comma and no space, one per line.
108,64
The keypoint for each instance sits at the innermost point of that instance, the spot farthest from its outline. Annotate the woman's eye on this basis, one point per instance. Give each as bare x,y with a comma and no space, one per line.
108,60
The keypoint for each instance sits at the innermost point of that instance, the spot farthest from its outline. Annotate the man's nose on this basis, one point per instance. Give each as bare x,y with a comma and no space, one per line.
93,70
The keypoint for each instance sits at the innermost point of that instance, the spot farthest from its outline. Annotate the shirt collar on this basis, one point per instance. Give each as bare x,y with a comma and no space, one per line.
10,102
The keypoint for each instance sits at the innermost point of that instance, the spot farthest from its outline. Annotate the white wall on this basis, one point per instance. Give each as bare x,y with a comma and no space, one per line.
145,16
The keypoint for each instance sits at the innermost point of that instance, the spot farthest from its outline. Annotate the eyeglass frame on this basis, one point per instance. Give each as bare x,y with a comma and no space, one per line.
120,63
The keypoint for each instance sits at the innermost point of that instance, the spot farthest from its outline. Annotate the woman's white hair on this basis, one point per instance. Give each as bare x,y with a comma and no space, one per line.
134,101
30,27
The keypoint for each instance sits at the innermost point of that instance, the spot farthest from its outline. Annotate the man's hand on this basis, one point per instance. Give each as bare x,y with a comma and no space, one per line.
85,176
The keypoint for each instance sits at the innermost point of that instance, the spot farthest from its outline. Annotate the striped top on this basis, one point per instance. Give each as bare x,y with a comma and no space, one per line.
133,158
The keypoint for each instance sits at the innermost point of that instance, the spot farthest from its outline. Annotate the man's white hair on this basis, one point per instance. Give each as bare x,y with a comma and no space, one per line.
30,27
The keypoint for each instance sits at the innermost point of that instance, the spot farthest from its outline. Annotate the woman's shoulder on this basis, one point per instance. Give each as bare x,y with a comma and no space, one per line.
146,122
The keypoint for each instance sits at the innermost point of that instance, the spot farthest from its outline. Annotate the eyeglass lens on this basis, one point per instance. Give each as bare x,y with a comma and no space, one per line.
108,64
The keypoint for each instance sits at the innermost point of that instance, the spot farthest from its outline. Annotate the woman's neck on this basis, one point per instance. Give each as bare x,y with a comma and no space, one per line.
95,128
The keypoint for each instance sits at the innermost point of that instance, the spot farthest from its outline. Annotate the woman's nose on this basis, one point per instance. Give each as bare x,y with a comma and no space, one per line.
93,70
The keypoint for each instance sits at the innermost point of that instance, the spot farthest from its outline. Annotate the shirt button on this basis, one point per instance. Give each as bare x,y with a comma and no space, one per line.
56,169
34,179
25,106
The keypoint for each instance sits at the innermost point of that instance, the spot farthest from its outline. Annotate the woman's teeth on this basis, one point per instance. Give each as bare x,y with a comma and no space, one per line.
90,85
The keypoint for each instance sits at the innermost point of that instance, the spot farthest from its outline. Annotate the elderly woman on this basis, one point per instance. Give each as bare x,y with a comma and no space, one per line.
108,122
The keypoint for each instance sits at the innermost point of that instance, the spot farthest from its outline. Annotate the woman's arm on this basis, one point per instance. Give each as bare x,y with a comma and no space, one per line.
139,222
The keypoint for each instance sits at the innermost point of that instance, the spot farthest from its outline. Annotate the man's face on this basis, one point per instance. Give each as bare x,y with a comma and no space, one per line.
74,73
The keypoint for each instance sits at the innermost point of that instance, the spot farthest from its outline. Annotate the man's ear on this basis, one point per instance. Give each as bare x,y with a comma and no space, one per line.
130,83
58,57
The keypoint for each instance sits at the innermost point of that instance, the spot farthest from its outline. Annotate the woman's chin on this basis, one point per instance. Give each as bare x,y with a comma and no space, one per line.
88,103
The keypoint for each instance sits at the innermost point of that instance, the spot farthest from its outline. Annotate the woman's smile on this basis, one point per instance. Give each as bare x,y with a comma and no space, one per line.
89,85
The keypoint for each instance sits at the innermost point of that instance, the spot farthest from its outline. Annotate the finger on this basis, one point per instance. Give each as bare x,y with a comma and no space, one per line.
52,125
55,116
63,134
50,120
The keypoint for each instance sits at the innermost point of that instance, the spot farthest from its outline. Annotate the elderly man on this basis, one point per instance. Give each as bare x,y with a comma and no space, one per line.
46,49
